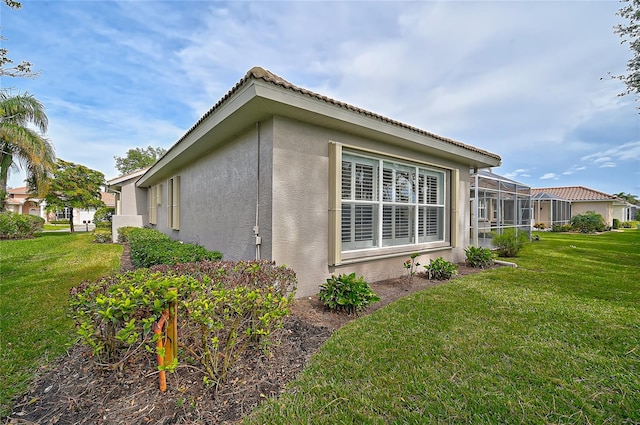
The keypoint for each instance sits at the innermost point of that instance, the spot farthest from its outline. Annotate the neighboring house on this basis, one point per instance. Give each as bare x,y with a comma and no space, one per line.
130,201
557,205
497,203
18,201
277,172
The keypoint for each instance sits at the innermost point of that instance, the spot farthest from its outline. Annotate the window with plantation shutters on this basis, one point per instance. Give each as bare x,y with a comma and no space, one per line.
389,203
173,203
153,210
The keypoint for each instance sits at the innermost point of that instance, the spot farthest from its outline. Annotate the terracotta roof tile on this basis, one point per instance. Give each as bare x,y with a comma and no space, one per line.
259,73
108,198
575,193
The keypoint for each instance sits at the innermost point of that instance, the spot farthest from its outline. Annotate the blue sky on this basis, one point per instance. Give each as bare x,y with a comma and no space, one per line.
526,80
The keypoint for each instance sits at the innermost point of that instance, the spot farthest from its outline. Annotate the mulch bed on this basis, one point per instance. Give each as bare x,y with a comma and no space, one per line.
74,390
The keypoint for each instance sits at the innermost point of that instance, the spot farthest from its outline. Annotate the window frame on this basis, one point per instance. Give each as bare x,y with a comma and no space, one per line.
173,203
446,213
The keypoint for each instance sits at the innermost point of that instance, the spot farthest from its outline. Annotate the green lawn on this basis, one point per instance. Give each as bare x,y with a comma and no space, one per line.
35,278
556,340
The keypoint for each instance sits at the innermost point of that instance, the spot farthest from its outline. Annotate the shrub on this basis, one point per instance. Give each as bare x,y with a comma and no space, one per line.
123,233
59,221
103,216
18,226
347,293
150,247
224,309
629,224
441,269
589,222
540,226
509,242
101,236
616,223
561,228
479,257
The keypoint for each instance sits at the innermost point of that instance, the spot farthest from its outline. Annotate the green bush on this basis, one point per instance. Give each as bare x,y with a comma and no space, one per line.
589,222
19,226
347,293
150,247
509,242
102,236
123,233
616,223
59,222
629,224
479,257
103,216
560,228
224,309
441,269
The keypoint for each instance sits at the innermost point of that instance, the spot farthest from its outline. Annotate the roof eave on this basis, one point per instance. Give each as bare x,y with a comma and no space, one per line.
255,100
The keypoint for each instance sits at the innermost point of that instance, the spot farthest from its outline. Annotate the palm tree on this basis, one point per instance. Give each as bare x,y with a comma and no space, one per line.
21,146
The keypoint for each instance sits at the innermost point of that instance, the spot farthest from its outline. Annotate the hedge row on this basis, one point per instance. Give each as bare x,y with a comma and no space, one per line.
224,309
150,247
19,226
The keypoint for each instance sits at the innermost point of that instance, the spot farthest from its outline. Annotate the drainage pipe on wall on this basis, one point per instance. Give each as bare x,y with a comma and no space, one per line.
256,227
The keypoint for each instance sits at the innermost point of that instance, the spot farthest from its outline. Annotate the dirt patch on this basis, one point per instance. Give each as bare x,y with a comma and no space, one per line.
73,390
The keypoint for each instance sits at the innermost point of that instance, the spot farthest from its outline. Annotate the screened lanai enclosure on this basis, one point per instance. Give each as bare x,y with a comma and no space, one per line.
497,203
550,210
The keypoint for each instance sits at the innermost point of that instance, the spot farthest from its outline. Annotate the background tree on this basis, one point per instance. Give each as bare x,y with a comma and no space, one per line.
632,199
23,69
630,33
74,186
138,158
23,146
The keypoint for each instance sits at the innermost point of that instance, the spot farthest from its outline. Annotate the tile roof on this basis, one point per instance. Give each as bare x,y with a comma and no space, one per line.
108,198
18,190
575,193
259,73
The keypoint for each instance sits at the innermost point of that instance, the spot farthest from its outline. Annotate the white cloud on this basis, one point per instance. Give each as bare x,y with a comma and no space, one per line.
626,152
548,176
608,165
573,169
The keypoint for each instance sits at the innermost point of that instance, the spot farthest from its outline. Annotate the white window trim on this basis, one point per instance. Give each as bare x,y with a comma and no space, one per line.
449,180
173,203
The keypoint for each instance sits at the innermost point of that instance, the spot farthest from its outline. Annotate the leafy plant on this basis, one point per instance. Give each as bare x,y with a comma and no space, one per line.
509,242
479,257
19,226
347,292
411,265
103,216
557,228
224,308
589,222
540,226
123,233
441,269
102,236
616,223
150,247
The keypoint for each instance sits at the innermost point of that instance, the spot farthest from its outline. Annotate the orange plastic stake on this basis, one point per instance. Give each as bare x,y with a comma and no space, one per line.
157,329
172,331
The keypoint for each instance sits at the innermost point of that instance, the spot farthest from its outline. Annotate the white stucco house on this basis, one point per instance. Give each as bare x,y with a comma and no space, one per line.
278,172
